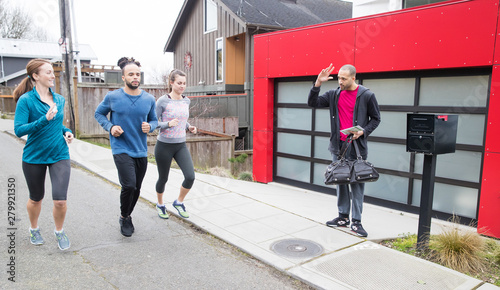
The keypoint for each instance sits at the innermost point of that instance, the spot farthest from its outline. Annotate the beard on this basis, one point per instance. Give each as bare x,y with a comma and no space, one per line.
131,86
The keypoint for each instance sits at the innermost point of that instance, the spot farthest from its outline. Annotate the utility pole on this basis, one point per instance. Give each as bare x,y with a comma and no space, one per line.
66,44
76,49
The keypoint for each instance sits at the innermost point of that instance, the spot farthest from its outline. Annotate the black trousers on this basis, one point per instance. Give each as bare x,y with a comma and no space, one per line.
131,172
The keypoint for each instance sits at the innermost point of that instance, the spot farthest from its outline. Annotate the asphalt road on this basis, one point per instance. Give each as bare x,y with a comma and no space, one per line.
162,254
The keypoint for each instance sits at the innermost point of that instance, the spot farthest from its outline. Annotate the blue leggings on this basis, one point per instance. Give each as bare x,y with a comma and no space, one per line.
164,153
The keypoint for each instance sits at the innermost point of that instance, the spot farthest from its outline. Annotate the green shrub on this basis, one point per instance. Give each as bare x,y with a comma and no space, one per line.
240,159
247,176
407,243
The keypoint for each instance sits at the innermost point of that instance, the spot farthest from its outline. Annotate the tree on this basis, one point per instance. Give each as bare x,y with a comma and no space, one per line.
17,23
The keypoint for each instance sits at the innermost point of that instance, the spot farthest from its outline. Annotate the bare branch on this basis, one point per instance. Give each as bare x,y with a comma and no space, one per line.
17,23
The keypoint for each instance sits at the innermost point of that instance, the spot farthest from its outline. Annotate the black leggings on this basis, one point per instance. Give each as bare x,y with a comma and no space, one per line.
164,152
59,176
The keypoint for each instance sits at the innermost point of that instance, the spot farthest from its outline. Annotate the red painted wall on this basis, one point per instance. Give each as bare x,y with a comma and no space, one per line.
439,36
263,129
453,34
489,205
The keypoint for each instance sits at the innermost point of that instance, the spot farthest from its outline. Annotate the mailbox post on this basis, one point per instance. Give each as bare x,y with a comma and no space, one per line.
426,198
431,135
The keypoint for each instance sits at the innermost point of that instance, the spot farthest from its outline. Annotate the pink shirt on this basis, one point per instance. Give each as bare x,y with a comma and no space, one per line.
347,101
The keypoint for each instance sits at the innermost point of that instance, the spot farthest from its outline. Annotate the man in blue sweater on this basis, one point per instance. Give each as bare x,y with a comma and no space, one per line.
132,116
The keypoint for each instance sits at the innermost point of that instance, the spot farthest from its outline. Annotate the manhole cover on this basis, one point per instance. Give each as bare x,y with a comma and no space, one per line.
296,248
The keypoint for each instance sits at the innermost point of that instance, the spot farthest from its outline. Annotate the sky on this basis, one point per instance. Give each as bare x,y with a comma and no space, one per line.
115,28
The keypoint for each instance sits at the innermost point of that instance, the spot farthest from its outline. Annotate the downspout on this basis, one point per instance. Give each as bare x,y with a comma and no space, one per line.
3,73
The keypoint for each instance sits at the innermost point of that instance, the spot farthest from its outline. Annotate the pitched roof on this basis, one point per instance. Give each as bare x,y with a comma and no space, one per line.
39,49
289,13
276,14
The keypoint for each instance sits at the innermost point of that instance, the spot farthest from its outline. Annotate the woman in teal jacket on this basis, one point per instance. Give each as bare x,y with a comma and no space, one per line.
40,114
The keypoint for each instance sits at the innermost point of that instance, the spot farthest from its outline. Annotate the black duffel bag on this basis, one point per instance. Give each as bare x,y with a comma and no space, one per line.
339,172
362,170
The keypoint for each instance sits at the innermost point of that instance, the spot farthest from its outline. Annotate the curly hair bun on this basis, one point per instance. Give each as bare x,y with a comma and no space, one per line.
124,61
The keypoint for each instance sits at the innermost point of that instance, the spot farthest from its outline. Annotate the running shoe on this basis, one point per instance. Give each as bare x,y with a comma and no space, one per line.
62,240
126,226
36,237
358,229
162,211
181,209
338,222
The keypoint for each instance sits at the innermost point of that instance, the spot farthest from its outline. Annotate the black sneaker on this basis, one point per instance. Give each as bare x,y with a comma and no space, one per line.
338,222
131,224
126,226
358,229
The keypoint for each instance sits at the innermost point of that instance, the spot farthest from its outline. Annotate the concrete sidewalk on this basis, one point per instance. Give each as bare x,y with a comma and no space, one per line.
284,227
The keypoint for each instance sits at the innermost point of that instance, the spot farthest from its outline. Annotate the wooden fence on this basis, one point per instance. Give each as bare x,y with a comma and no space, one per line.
7,104
214,144
202,107
211,149
89,97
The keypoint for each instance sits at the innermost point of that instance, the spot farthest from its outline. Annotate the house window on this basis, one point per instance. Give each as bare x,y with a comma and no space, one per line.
219,56
210,16
414,3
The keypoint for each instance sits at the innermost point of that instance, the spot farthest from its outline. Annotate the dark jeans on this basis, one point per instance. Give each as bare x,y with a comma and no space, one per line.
131,172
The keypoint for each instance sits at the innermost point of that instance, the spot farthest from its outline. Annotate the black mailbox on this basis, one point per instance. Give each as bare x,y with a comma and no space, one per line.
431,134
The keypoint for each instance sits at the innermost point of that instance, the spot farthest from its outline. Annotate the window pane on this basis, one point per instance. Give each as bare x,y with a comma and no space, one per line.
463,91
393,91
293,92
291,118
321,148
329,85
294,144
319,176
388,187
322,122
470,129
414,3
210,15
449,199
293,169
393,125
219,58
297,92
389,156
461,165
